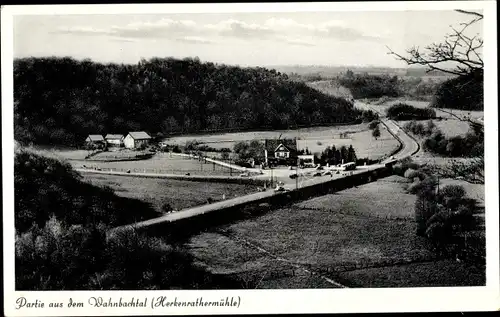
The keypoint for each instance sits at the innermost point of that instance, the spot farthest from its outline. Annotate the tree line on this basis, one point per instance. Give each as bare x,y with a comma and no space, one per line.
62,100
435,141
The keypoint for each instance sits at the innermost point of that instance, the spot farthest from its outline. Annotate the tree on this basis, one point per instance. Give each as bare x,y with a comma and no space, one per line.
351,154
376,132
457,48
373,124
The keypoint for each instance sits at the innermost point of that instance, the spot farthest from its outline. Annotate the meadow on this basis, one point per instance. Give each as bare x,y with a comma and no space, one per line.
164,163
357,237
178,193
316,139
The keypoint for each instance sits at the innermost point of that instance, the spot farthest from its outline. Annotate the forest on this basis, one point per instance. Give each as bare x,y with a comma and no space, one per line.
59,101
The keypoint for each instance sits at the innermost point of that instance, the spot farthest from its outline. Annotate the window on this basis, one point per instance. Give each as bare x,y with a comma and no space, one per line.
282,154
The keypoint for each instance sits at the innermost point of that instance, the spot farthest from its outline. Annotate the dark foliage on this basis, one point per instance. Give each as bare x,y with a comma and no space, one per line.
369,116
370,86
463,92
401,111
45,186
249,150
333,156
373,124
61,100
470,145
80,257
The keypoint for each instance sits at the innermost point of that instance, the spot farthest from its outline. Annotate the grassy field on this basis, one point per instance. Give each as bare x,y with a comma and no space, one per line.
163,163
360,237
331,87
385,103
315,139
179,194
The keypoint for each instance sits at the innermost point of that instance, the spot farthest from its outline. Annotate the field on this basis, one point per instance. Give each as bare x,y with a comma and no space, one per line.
331,87
315,139
179,194
384,103
163,163
360,237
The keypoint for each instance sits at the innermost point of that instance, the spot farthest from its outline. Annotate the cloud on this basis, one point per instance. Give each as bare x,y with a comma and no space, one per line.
235,28
188,30
158,29
83,30
194,40
296,41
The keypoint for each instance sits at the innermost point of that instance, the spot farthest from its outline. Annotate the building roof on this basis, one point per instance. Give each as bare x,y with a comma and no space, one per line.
114,137
140,135
272,145
95,137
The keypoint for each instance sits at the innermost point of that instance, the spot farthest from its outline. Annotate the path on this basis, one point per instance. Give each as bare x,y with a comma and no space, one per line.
410,145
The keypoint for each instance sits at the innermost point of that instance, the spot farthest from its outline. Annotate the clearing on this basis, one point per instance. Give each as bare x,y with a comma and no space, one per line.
162,163
178,193
316,139
360,237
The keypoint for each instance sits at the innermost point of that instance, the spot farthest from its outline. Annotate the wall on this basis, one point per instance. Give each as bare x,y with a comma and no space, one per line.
129,142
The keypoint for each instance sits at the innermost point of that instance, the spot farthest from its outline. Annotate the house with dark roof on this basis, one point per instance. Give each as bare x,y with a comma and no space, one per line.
114,140
135,140
280,151
95,140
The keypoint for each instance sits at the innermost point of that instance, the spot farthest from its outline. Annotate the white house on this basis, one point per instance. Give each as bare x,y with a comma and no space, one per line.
114,140
282,150
135,140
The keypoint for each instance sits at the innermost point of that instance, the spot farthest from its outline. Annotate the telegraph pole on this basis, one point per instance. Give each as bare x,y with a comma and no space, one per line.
297,175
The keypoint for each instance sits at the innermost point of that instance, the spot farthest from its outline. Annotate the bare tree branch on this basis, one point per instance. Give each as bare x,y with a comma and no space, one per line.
457,47
470,12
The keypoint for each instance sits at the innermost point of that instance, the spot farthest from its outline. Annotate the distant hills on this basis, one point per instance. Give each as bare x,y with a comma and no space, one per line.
332,71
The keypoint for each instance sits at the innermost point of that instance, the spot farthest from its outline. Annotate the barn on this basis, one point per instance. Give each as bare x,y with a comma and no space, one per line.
114,140
135,140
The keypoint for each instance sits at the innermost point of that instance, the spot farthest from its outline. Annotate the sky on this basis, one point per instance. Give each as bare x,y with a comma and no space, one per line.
247,39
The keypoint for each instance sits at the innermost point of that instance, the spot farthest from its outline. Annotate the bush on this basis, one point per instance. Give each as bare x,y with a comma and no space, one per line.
166,207
412,174
373,124
403,111
462,92
61,257
371,86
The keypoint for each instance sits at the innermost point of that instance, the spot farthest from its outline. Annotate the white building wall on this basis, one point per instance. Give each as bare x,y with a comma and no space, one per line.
114,142
129,142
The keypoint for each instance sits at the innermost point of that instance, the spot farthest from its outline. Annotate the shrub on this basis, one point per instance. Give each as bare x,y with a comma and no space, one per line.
402,111
412,174
462,92
373,124
166,207
61,257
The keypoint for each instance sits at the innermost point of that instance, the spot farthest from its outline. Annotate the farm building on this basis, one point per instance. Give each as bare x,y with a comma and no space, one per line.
95,139
135,140
280,151
114,140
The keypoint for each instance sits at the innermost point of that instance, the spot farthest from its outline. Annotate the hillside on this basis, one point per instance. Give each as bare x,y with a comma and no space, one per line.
62,100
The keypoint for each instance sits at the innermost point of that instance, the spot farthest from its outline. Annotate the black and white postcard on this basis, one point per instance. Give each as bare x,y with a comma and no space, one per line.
171,159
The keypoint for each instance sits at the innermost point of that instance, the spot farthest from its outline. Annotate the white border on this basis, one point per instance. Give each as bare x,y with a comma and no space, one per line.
271,301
